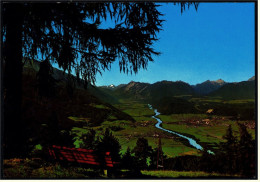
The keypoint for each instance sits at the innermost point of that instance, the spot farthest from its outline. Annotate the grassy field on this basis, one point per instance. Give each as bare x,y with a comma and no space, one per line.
211,133
184,174
37,169
181,117
207,130
144,127
40,169
130,131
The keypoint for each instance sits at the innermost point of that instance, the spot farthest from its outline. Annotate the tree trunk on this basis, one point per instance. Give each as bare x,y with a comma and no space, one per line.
14,134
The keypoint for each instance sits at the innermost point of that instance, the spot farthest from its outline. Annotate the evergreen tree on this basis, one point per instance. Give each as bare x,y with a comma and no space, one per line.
128,161
154,157
229,151
88,140
60,33
69,34
247,153
142,152
236,157
109,143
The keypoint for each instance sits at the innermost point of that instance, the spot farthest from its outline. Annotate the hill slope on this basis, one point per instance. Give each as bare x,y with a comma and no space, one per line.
240,90
88,103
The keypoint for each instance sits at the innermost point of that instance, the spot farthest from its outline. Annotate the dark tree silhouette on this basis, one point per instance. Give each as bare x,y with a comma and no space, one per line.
45,82
109,143
142,152
69,34
128,161
229,152
88,140
14,139
234,156
247,153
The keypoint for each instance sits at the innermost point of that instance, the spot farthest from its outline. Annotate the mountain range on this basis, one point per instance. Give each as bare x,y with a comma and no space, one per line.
163,89
157,90
208,86
218,88
239,90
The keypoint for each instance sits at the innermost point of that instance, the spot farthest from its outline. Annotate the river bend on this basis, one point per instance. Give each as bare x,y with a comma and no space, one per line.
158,125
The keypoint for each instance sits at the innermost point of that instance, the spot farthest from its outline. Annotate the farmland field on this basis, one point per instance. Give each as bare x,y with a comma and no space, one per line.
207,130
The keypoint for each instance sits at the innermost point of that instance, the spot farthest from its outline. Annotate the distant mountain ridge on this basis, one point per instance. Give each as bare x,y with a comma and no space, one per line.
208,86
239,90
157,90
161,89
251,79
139,90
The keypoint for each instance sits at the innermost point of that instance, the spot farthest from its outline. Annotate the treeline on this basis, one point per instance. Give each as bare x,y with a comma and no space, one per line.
174,105
235,156
142,156
245,111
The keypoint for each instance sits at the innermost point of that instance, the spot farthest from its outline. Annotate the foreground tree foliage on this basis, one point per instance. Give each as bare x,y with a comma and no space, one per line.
70,35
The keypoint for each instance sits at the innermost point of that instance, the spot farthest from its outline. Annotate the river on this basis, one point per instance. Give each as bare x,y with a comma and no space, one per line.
158,125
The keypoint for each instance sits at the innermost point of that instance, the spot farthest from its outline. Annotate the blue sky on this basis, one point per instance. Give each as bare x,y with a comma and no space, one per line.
217,41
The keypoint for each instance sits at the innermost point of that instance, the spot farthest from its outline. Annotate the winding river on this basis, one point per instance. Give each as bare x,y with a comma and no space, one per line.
158,125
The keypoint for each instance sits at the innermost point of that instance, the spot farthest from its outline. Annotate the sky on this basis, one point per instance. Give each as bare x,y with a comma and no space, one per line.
215,42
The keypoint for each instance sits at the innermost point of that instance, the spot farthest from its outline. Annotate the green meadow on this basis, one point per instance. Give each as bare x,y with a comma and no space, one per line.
191,125
184,174
130,131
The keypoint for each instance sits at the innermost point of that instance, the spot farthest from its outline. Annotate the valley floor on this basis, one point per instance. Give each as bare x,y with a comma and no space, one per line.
207,130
